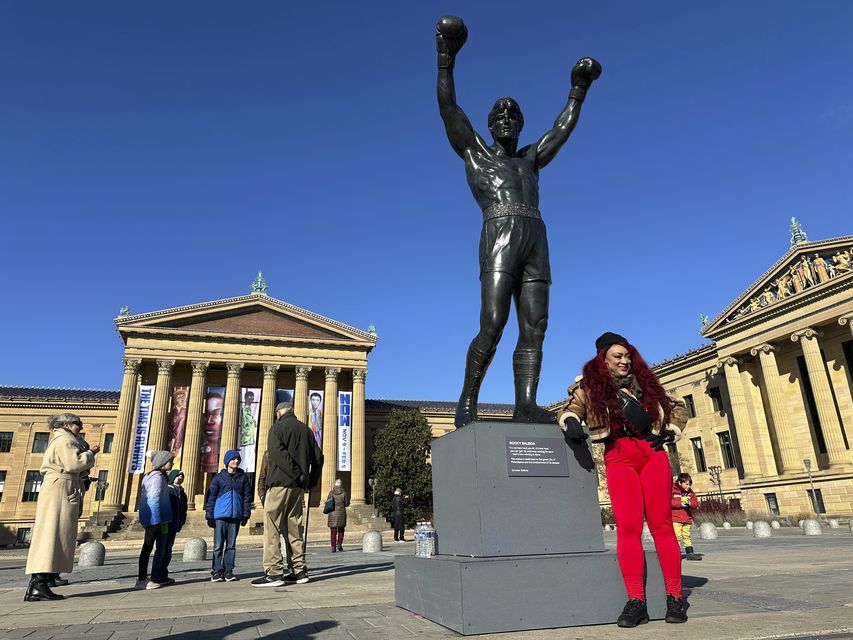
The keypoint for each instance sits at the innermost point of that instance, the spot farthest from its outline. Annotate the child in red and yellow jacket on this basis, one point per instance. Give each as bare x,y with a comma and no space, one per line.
683,503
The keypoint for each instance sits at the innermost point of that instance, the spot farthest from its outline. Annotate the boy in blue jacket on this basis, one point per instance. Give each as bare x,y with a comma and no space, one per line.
227,506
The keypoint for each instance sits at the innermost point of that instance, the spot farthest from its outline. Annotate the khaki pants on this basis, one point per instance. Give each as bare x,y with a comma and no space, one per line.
283,521
682,533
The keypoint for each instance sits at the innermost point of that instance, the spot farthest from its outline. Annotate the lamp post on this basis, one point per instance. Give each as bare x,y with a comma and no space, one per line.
372,483
715,472
101,488
808,464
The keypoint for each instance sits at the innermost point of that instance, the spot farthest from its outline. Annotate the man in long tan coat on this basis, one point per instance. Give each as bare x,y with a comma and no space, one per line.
60,498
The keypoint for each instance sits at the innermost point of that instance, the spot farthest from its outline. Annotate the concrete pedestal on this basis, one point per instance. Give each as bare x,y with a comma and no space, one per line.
519,545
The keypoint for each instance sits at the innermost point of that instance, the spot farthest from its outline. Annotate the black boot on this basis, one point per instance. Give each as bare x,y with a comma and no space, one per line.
633,613
690,555
476,364
39,590
526,364
54,580
675,610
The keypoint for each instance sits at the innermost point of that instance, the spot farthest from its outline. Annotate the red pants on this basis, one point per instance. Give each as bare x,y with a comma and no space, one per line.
337,536
638,477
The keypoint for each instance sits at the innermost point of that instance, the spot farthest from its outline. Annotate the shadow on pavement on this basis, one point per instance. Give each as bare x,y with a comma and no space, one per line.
105,592
306,631
691,582
339,571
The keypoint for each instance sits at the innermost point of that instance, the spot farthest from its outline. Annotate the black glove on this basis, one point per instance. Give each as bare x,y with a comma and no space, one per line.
658,442
244,522
211,523
574,431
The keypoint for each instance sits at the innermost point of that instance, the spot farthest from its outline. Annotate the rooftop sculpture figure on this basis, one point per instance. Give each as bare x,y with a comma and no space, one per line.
514,262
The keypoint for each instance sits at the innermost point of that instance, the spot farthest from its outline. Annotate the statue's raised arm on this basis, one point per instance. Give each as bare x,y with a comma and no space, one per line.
450,35
585,71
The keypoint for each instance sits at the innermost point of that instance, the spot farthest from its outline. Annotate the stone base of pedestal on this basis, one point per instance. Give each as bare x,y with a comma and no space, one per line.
517,593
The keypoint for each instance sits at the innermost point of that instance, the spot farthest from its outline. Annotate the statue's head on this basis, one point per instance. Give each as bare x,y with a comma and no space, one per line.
506,119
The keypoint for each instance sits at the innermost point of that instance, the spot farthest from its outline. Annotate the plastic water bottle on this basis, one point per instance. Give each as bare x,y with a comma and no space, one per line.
419,539
429,540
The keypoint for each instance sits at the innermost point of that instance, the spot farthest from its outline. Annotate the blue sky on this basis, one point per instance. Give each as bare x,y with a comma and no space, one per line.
159,154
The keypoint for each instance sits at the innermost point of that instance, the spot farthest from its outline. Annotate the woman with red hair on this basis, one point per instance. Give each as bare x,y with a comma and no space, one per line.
626,409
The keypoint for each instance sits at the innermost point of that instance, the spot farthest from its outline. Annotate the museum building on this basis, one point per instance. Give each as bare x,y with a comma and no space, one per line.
769,397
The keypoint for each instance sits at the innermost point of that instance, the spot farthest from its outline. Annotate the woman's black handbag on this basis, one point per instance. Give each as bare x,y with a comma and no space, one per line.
329,505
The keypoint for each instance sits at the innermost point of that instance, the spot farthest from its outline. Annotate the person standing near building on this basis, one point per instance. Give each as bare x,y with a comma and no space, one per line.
178,502
683,502
60,498
398,518
155,514
227,507
295,465
337,519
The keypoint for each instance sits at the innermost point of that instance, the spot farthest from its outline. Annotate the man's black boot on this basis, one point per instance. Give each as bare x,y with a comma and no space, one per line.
633,613
675,610
476,364
526,364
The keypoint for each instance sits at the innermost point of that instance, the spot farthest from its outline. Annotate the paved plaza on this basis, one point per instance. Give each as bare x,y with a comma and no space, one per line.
788,586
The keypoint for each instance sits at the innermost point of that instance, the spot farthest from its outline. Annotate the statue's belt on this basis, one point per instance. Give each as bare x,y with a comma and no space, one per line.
506,209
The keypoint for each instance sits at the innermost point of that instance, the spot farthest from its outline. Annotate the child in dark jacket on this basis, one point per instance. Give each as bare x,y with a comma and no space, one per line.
178,502
227,506
683,503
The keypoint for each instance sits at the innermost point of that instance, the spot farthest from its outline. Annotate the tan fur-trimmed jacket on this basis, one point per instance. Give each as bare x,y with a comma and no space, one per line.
578,407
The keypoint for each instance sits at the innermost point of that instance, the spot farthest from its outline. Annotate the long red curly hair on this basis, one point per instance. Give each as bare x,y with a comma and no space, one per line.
602,394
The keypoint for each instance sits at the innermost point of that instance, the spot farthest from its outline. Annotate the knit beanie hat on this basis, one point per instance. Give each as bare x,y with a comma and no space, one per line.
159,458
607,340
173,475
230,455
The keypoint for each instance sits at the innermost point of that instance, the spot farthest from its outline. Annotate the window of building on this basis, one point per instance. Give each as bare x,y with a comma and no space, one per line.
108,443
5,441
698,455
32,486
691,406
772,503
2,483
101,487
674,462
23,535
727,449
40,441
716,399
817,501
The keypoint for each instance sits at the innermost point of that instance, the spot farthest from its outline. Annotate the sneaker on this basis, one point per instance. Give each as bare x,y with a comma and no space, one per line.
268,581
633,613
141,584
217,577
340,547
167,582
675,610
154,585
230,577
297,578
692,556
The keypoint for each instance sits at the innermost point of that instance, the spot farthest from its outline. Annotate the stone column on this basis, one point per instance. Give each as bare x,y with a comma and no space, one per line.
837,455
159,413
266,420
192,433
330,431
300,394
740,413
229,416
776,397
357,481
114,498
848,320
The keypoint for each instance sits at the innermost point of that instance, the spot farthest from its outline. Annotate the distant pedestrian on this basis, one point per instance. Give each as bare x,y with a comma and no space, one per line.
337,520
178,502
683,502
227,507
398,518
155,514
58,509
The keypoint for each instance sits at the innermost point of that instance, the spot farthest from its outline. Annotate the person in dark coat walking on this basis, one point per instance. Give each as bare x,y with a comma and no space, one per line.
178,501
337,520
398,521
227,507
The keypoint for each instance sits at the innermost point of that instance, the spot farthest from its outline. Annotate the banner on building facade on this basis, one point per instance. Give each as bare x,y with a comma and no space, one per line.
344,429
250,407
178,422
283,395
211,429
140,434
315,414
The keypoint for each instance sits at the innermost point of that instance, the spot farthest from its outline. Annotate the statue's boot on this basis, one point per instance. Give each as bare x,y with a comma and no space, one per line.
476,364
38,589
526,364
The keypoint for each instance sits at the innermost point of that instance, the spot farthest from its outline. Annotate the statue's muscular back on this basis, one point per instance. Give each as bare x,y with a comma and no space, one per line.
495,176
